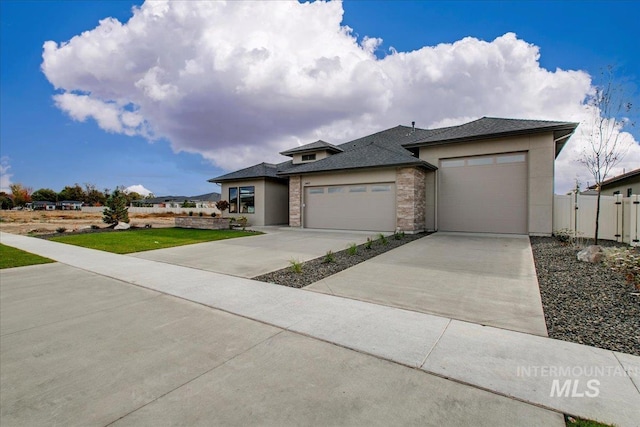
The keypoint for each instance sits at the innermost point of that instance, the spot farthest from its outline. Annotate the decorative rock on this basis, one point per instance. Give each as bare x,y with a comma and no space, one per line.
592,254
122,226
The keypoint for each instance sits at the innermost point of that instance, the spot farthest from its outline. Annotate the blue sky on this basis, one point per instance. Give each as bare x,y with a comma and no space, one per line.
42,145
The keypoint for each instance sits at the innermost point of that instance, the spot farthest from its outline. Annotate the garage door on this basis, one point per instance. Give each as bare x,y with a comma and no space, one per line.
486,194
351,207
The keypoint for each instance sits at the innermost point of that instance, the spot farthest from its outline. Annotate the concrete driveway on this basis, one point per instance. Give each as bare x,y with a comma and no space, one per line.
485,279
256,255
82,349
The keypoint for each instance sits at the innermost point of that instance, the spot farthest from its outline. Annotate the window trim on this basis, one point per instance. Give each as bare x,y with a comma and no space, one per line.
233,201
237,201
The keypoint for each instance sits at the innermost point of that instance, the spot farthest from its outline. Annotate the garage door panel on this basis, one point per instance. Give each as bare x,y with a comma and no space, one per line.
351,207
485,195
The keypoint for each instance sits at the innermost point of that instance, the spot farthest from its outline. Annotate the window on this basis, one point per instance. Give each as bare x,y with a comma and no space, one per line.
233,200
358,189
629,192
308,157
335,190
380,188
480,161
452,163
316,191
242,200
514,158
247,199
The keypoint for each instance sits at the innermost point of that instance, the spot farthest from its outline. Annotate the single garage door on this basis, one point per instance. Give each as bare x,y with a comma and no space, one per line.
351,207
485,194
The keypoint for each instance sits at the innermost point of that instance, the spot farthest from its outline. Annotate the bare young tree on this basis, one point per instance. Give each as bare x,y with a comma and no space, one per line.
609,108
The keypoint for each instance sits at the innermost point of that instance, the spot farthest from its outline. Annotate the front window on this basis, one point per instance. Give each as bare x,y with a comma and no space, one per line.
247,199
308,157
233,200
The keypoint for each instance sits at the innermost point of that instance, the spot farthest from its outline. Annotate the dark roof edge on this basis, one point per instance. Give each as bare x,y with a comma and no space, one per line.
246,178
564,126
425,165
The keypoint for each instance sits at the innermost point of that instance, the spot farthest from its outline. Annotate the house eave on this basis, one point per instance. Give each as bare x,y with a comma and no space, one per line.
568,127
423,165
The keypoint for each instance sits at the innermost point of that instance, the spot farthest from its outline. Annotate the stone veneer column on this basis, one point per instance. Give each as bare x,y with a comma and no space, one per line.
410,199
295,217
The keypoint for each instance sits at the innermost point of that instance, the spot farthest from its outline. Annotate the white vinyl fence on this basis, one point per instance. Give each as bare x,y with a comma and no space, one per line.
185,211
619,216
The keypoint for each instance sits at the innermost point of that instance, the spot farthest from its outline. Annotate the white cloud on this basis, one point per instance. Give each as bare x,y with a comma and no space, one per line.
138,188
237,82
5,176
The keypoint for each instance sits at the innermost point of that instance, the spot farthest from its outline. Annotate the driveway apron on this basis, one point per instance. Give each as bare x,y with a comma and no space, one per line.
481,278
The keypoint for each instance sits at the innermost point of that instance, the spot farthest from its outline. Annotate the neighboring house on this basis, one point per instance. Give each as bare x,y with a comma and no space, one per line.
490,175
43,206
201,201
69,205
625,184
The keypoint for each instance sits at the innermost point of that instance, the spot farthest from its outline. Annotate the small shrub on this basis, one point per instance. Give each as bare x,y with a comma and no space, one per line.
190,213
564,236
368,244
382,239
60,230
223,205
242,221
296,266
352,249
94,227
625,261
568,237
329,257
213,214
399,235
200,213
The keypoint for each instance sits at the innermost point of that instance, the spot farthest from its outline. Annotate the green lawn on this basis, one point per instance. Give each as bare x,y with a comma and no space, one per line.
12,257
125,242
579,422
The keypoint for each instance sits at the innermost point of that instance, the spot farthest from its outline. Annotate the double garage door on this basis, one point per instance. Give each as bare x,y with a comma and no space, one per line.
484,194
370,207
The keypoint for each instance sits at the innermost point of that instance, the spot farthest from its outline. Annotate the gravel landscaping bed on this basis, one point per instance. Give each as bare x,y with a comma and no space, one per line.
317,269
586,303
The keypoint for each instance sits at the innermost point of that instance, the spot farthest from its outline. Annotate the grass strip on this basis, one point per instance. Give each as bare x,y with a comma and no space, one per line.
11,257
129,241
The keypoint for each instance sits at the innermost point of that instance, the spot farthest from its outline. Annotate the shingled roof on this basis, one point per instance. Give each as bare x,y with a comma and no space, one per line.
314,146
262,170
363,155
493,127
390,147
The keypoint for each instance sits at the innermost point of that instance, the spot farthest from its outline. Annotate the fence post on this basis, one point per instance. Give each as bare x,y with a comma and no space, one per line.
634,220
619,218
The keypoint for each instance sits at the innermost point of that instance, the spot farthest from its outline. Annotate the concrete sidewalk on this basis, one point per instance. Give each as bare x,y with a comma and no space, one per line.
520,366
83,349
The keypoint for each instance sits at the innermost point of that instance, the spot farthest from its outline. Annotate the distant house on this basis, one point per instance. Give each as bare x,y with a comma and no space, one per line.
43,206
625,184
69,205
207,200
